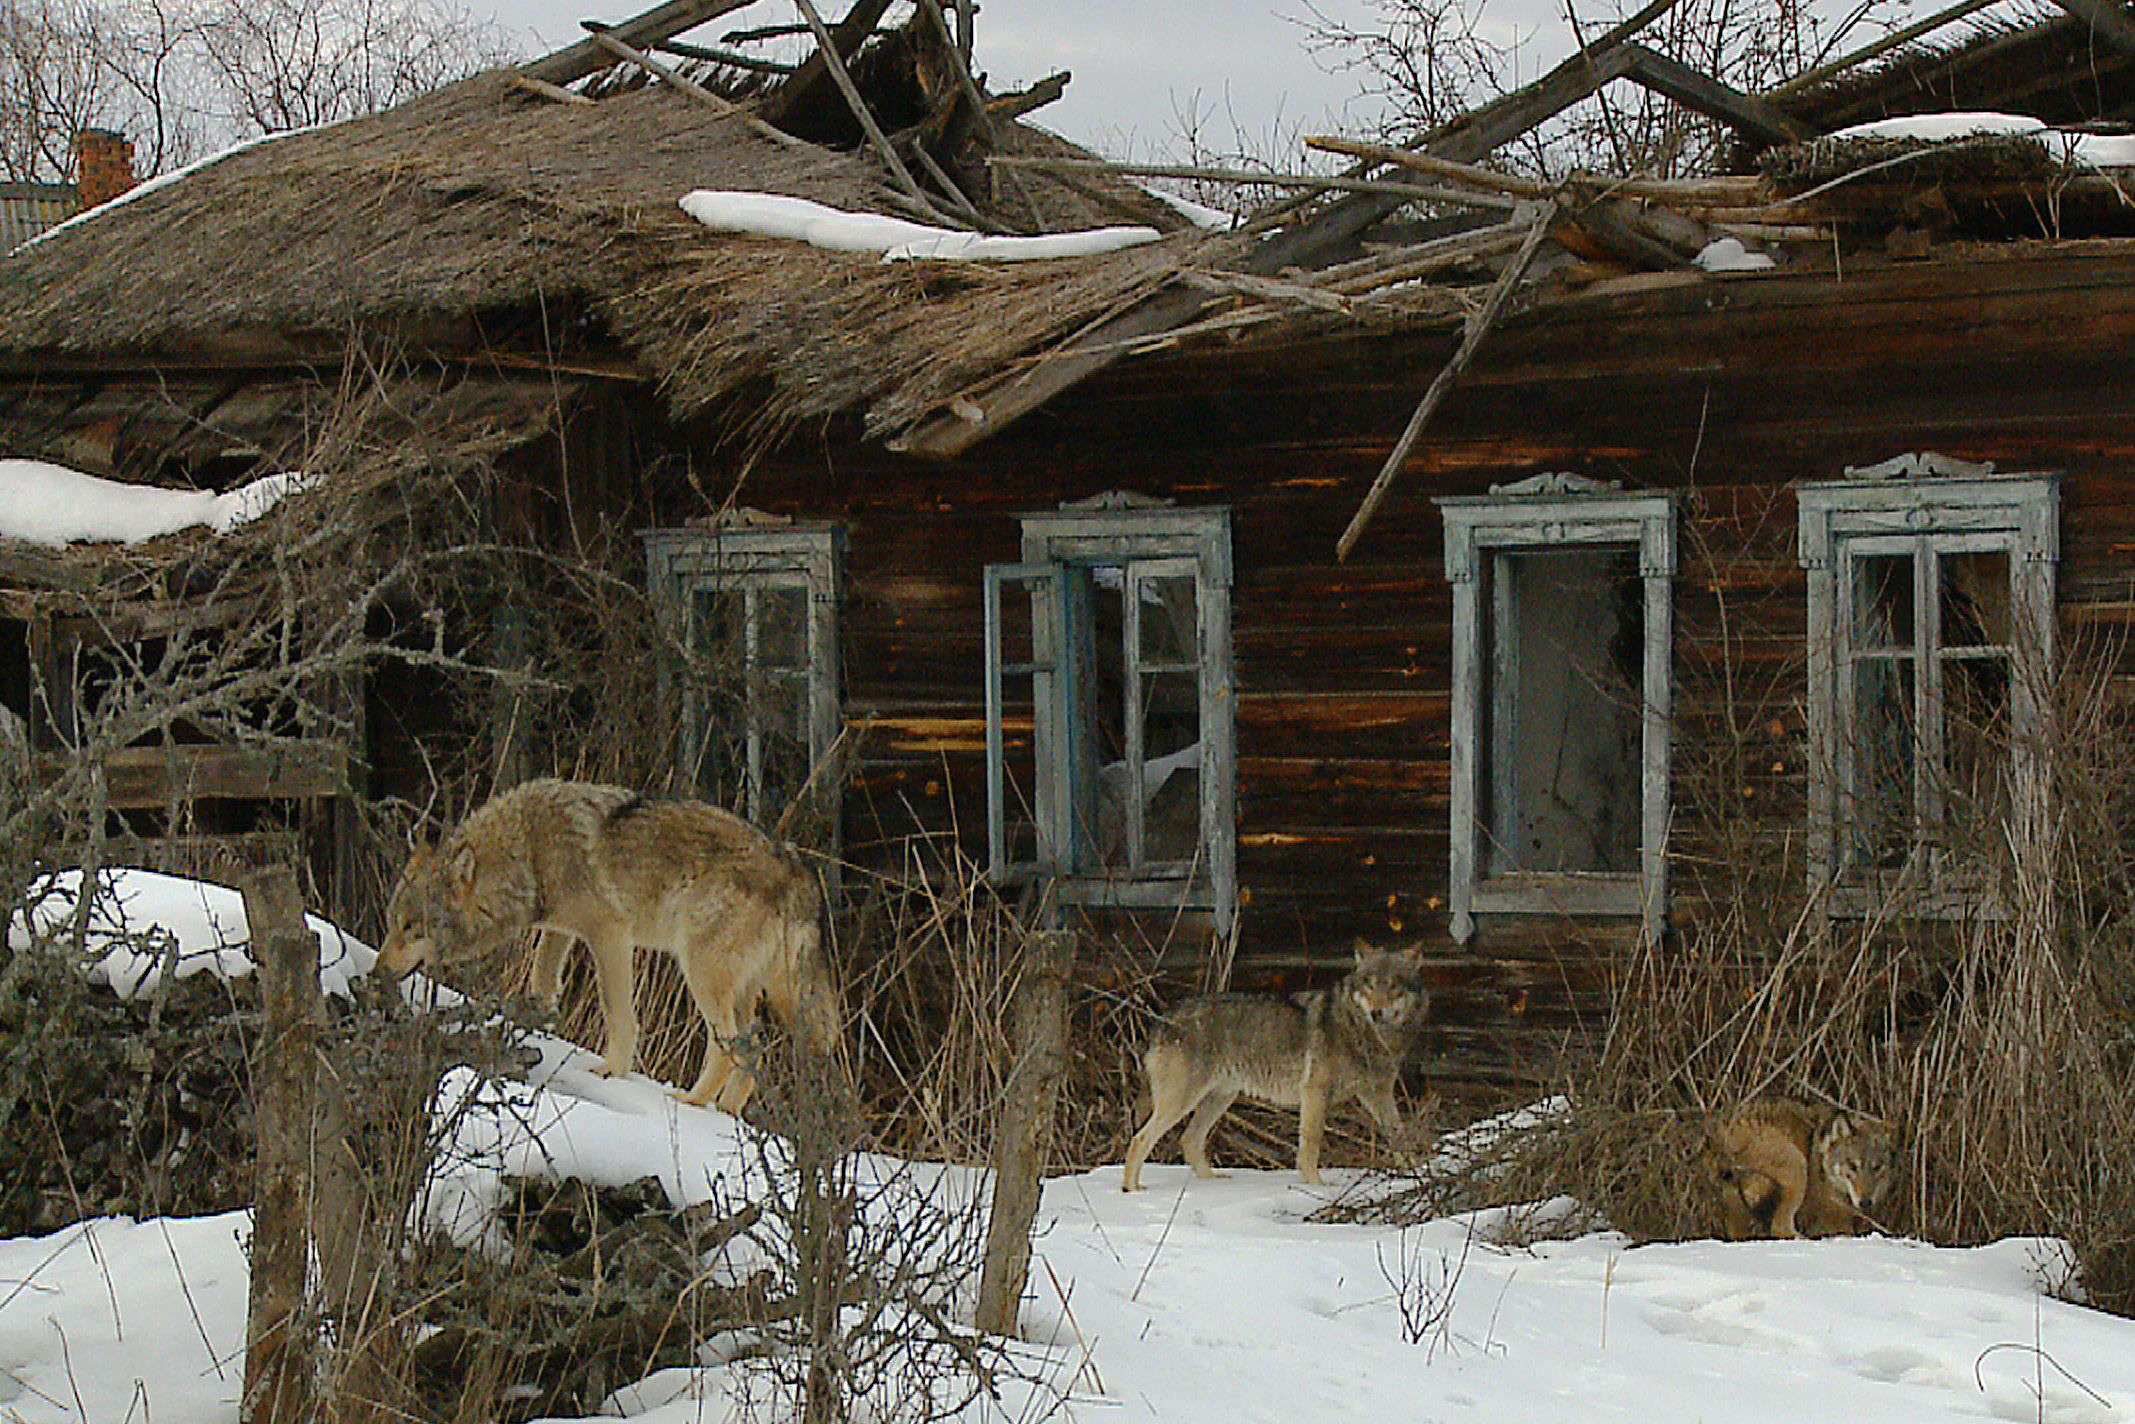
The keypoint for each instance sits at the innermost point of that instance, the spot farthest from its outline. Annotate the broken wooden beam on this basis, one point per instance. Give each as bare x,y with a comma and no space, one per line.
1701,93
1478,326
541,88
668,74
1014,106
827,50
1883,46
1000,401
588,56
815,78
1446,168
1414,192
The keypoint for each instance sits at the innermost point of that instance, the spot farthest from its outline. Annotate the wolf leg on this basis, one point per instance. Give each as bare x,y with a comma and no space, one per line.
550,947
1169,1100
722,1081
1213,1106
614,972
1379,1102
1311,1121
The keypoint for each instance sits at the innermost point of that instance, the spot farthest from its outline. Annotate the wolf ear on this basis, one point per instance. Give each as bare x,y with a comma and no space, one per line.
1364,947
463,868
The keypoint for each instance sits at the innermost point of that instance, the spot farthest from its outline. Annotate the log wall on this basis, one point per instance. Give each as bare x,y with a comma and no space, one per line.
1731,390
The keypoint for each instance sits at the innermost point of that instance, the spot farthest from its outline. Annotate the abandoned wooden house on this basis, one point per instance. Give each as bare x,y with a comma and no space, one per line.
1040,559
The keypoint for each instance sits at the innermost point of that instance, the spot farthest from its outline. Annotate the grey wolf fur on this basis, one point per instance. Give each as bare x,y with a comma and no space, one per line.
738,911
1311,1052
1787,1169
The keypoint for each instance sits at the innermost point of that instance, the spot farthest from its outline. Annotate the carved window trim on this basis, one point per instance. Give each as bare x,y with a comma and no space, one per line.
1138,537
1932,503
1557,512
749,553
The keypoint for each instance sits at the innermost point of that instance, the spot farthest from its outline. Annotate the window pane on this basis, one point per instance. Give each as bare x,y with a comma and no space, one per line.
1169,812
781,626
1168,636
780,719
1573,669
1975,599
1883,602
1976,731
1878,821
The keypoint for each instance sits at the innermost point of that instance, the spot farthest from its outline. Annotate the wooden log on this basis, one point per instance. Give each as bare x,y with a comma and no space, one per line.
1706,95
668,74
1014,106
834,62
555,93
280,1329
1446,168
1026,1125
1416,192
661,22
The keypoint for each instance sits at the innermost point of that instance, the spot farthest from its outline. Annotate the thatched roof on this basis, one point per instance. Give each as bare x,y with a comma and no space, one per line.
480,203
2048,64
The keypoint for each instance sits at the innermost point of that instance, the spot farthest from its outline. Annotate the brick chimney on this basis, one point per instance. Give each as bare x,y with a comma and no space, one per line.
103,161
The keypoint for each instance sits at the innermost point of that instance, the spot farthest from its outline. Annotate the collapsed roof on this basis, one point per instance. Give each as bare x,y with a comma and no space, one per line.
509,219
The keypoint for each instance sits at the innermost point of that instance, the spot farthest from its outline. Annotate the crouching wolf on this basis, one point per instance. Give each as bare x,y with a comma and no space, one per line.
1782,1168
738,911
1309,1052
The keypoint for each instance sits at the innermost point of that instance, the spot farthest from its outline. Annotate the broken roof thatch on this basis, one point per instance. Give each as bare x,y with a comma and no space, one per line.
480,203
2049,65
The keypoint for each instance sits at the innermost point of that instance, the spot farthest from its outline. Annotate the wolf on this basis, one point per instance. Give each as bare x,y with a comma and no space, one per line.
1787,1169
740,913
1309,1052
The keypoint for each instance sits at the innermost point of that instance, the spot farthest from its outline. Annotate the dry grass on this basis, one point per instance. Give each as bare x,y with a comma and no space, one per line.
1999,1045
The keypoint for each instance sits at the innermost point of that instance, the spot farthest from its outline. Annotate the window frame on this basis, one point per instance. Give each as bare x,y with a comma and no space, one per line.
1549,513
1920,504
1141,539
747,558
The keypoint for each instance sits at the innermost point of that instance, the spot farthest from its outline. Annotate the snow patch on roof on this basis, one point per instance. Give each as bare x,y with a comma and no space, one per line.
49,504
833,229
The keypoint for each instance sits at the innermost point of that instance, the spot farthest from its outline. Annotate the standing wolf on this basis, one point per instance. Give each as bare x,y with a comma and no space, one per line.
1788,1169
1309,1052
738,911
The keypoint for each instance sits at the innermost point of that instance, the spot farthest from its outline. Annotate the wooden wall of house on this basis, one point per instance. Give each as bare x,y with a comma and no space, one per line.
1730,390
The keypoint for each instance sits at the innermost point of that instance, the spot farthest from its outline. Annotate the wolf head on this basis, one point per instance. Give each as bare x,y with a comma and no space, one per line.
450,905
1386,987
1860,1158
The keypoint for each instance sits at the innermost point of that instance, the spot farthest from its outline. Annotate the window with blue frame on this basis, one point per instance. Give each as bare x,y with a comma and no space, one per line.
1109,719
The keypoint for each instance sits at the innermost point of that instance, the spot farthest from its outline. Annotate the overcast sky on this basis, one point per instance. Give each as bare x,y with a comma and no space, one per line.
1240,66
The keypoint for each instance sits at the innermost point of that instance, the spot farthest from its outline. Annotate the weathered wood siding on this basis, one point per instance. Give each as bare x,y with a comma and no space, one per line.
1730,389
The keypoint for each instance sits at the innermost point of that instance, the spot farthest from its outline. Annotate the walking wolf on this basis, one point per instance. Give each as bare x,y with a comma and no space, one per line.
738,911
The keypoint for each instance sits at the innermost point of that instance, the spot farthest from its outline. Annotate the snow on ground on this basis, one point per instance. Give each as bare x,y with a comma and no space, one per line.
1194,1302
145,918
798,219
55,506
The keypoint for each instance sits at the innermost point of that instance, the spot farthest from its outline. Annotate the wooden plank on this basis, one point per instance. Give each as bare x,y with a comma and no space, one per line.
143,778
1702,93
662,22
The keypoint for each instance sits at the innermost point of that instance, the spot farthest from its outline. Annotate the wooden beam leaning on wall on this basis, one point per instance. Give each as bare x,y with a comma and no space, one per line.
953,429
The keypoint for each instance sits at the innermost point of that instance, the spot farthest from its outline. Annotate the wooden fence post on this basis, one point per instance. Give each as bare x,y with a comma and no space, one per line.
280,1343
1026,1123
310,1203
